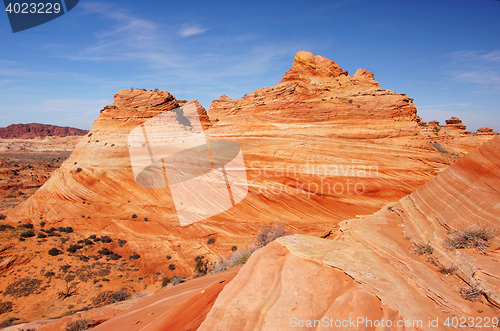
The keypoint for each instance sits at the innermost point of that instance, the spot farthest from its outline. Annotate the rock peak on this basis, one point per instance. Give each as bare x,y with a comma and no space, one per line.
137,98
307,67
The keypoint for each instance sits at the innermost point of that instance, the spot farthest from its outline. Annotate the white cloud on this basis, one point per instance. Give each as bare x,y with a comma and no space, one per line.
191,30
476,67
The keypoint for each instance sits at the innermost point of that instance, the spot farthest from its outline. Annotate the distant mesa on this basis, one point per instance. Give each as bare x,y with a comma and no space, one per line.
486,130
36,130
455,124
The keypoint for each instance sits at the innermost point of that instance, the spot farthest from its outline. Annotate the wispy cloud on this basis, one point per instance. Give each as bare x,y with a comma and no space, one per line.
188,29
475,67
162,50
447,105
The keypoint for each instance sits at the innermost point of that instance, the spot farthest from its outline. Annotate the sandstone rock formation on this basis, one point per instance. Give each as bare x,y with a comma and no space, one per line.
320,147
36,130
453,139
320,120
394,265
486,130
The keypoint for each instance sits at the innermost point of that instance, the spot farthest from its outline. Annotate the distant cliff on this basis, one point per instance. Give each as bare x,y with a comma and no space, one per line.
34,130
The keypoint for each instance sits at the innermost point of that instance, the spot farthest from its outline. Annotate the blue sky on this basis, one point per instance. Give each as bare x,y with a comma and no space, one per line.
445,54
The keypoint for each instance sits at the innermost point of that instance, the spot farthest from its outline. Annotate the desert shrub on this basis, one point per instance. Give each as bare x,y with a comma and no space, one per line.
86,242
145,219
104,251
106,239
5,307
93,236
447,271
8,322
120,295
236,259
69,278
67,229
79,325
211,240
471,293
27,234
42,223
234,248
41,235
25,226
49,274
23,287
134,216
200,265
422,249
134,256
121,242
269,233
65,268
53,234
109,297
79,169
473,236
176,280
5,226
2,216
69,290
74,247
84,258
115,256
440,148
168,257
54,251
171,267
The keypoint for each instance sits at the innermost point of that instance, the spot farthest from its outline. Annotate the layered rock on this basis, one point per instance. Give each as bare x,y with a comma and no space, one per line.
318,134
319,147
393,265
453,139
36,130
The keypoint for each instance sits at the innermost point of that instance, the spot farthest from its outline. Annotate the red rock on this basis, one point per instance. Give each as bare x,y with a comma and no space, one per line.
485,130
454,120
35,130
307,67
372,269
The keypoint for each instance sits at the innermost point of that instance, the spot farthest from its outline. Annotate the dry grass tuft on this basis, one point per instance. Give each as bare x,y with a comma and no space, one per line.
422,249
473,236
472,293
